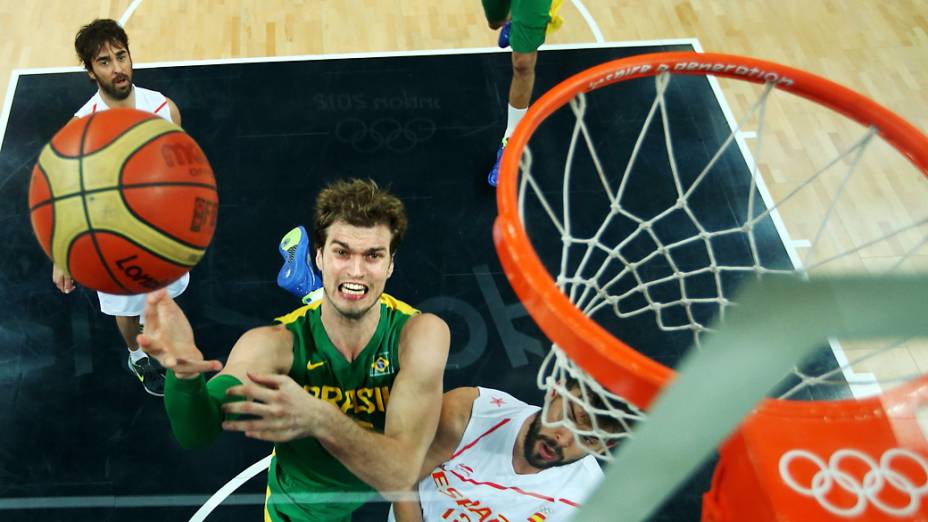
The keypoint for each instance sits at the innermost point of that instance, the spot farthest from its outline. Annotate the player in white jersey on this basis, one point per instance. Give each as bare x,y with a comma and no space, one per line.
103,48
493,459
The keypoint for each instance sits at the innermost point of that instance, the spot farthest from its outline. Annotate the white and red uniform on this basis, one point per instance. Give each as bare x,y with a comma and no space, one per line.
478,483
155,103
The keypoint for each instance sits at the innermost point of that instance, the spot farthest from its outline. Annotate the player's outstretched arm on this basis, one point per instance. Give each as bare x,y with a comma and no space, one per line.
456,408
194,407
168,338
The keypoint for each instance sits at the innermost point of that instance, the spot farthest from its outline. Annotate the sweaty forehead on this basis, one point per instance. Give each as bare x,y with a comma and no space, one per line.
359,238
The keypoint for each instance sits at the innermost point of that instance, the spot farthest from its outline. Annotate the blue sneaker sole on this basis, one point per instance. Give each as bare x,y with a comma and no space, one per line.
296,275
493,177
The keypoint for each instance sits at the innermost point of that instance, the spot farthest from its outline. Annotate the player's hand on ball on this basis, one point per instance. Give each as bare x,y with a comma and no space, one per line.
62,281
168,338
283,409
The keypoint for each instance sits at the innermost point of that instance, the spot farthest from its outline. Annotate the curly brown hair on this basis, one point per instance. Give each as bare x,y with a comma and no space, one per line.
360,203
92,36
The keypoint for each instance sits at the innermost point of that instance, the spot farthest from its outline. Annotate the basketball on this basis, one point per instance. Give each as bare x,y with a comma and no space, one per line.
124,201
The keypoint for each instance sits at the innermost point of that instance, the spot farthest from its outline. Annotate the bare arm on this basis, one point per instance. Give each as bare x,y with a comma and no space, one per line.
62,280
410,511
175,112
412,415
263,350
456,407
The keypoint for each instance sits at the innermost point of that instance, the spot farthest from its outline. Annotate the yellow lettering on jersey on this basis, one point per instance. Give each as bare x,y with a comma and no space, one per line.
364,424
331,394
364,401
386,396
350,401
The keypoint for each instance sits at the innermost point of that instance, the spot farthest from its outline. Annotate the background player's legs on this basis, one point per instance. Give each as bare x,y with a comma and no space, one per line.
527,32
523,81
520,94
148,371
129,328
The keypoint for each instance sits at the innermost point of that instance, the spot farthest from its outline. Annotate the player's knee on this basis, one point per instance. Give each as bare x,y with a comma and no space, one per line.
523,64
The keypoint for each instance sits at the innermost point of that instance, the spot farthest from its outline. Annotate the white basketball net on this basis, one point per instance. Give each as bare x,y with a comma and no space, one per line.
601,275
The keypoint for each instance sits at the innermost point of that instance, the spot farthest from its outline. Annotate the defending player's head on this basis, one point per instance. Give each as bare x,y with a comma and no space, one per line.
103,47
357,228
576,433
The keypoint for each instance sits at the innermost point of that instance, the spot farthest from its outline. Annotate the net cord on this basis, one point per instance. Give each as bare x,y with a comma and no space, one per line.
590,296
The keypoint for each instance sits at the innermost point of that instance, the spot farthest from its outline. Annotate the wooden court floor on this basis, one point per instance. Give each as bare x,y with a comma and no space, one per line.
875,48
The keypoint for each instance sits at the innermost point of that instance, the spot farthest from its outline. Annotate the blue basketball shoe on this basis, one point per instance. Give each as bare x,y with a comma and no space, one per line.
493,178
297,276
504,35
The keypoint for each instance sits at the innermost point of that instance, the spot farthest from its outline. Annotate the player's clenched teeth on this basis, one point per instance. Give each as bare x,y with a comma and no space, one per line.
352,288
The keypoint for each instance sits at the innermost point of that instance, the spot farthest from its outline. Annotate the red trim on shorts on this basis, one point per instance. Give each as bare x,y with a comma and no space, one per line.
489,431
160,106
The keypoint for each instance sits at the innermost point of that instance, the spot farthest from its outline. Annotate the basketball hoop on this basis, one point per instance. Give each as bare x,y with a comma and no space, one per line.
564,305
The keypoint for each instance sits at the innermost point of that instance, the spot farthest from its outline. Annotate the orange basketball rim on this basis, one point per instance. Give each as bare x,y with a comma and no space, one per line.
610,361
774,467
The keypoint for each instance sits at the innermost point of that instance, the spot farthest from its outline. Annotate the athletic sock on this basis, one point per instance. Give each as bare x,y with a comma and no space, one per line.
515,116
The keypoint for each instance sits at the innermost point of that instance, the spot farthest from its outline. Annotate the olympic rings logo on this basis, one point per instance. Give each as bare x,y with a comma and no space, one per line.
879,475
384,133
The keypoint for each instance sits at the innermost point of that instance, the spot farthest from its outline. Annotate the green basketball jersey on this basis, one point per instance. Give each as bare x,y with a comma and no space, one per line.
302,472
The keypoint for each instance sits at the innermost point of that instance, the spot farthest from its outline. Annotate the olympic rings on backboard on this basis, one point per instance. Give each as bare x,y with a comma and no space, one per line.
880,475
384,133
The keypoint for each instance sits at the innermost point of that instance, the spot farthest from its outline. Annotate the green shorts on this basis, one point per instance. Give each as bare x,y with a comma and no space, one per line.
529,21
283,502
